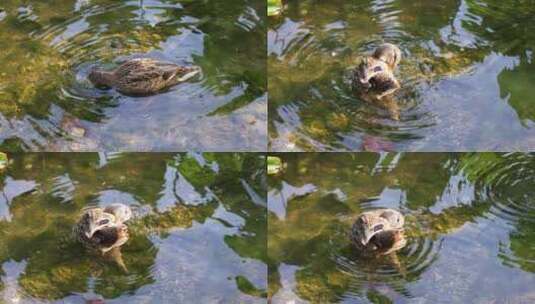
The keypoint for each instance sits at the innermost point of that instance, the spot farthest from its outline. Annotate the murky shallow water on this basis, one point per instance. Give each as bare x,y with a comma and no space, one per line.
49,48
199,234
469,222
467,76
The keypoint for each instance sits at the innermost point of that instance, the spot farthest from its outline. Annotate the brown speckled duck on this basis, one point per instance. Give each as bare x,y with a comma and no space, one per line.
102,229
379,232
375,74
143,76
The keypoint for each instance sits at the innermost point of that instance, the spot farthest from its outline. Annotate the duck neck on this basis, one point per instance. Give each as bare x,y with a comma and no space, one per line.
101,78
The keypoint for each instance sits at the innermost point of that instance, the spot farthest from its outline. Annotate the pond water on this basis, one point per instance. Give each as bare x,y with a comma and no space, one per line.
470,226
48,49
467,75
198,234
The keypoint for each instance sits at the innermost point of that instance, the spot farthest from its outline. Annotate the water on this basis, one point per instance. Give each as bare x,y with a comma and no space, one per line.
466,76
198,234
48,48
469,225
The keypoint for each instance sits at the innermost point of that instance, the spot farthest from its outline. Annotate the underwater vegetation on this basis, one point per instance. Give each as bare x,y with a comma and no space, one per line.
47,102
185,205
465,76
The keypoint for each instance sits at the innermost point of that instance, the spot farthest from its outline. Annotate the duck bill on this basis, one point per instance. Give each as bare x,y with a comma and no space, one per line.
194,71
91,232
365,82
367,237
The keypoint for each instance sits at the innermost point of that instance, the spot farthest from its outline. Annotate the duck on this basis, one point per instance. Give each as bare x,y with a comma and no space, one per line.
375,74
102,229
378,232
142,76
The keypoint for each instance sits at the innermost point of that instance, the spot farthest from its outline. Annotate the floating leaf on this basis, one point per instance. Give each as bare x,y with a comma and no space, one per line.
274,7
274,165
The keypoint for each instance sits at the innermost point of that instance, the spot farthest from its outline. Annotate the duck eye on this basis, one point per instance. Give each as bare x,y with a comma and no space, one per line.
103,222
378,227
377,69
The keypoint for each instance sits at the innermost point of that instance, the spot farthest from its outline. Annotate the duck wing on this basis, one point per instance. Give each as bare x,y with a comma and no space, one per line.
145,68
145,76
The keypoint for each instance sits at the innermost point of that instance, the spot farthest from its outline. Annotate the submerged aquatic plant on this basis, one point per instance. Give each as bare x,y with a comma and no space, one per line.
169,194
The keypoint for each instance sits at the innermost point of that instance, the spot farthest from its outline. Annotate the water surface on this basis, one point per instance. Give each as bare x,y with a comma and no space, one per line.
48,48
470,226
466,75
198,235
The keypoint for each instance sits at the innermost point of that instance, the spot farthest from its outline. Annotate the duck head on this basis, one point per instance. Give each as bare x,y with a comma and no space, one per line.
389,54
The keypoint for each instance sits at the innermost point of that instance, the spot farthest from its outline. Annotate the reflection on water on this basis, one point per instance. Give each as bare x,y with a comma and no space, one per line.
466,75
198,235
469,226
48,49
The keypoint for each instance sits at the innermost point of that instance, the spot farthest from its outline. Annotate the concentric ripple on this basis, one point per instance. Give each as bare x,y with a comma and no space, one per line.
395,270
314,59
390,272
468,227
507,182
